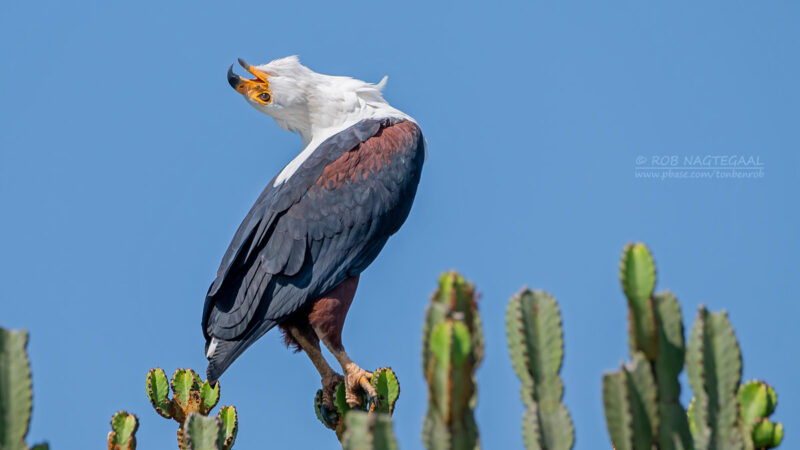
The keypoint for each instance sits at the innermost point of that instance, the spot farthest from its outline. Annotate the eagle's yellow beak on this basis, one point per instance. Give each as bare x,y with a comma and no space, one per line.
256,89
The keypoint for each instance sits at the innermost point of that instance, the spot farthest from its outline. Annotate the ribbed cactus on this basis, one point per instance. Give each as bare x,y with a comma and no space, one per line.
385,382
190,395
714,363
630,401
641,400
368,431
757,402
451,352
657,347
638,275
202,432
230,426
536,344
123,431
15,390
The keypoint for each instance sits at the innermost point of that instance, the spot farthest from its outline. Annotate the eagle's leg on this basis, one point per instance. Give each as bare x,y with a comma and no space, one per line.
327,318
302,337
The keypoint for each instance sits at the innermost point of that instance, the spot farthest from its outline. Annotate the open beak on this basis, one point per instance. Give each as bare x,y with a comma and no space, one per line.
244,85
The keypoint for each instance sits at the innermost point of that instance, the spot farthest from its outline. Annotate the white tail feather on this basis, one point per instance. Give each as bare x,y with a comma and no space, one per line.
211,347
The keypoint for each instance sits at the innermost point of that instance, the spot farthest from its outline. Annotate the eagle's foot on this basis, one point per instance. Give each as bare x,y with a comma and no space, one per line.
330,414
329,384
356,378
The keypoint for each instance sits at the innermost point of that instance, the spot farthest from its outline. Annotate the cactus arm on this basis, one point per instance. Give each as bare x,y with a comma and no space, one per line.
630,401
384,380
185,394
190,395
451,387
15,389
157,387
714,364
202,432
643,399
382,433
517,345
531,435
357,435
209,397
673,428
536,345
757,400
123,431
695,356
436,312
619,419
767,434
452,350
229,426
368,431
638,277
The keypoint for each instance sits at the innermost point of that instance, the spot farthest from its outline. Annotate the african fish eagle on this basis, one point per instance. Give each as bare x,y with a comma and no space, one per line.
296,258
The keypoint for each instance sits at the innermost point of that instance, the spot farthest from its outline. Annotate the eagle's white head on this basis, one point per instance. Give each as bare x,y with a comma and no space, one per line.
309,103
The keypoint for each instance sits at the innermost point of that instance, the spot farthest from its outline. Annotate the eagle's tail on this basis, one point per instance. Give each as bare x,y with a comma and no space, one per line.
221,353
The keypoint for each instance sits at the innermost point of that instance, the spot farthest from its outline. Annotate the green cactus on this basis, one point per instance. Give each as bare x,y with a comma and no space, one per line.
123,431
723,414
630,401
757,401
673,426
158,392
190,394
638,275
536,344
385,382
766,434
368,431
714,363
452,351
655,333
16,395
202,432
454,298
230,426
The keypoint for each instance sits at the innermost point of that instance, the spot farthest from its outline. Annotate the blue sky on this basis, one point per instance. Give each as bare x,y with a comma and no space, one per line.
127,162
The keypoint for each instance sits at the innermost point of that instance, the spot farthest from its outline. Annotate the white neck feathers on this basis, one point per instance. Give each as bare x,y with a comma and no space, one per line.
333,107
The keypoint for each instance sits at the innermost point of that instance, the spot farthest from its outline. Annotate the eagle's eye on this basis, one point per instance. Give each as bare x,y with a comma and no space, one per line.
264,97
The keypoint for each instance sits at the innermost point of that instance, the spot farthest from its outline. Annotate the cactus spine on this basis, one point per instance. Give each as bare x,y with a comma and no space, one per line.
16,394
536,344
451,352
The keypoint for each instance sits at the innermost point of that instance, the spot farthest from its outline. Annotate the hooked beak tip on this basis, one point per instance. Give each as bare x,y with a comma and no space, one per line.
233,79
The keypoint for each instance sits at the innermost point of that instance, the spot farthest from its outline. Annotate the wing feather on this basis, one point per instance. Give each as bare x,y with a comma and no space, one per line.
305,236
